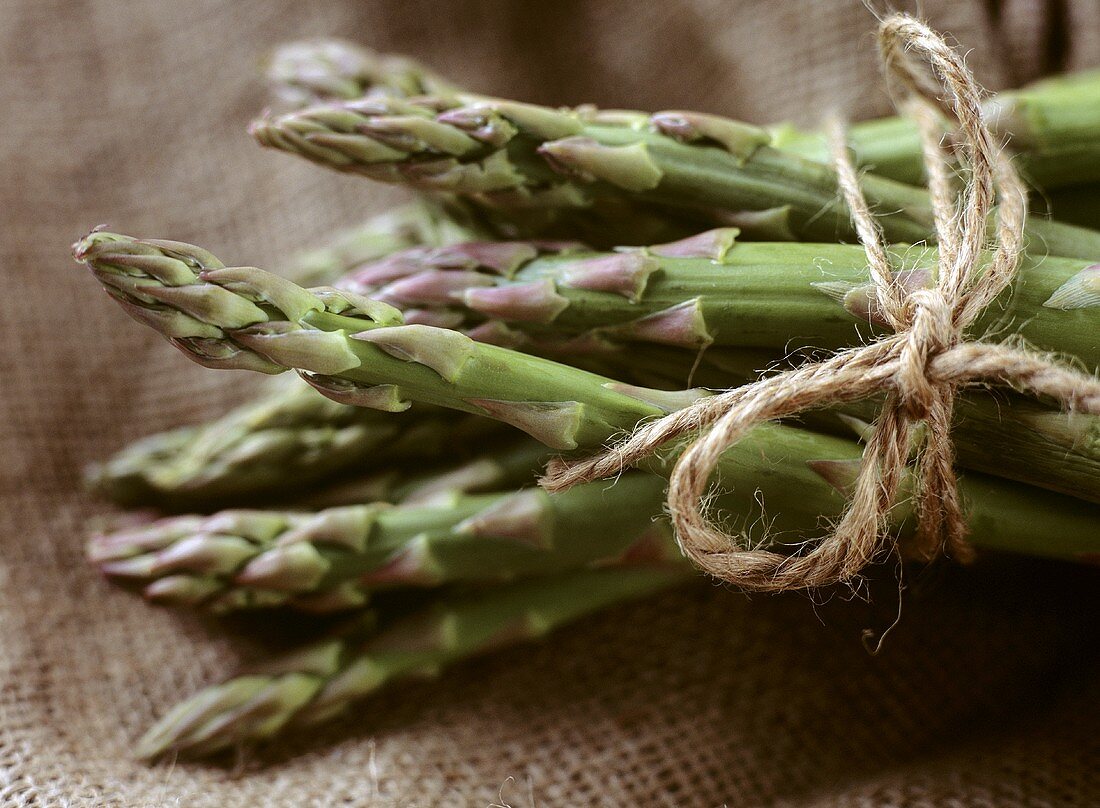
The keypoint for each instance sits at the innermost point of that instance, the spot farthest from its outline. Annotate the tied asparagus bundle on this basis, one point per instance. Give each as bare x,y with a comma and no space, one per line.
707,294
601,309
398,491
356,350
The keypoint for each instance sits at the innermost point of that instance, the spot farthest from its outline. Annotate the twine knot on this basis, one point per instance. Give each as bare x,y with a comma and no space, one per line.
931,332
920,366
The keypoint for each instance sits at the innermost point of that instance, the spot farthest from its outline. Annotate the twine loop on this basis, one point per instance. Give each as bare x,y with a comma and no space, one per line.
920,366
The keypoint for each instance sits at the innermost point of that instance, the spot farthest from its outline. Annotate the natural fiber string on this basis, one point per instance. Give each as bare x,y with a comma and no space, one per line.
920,367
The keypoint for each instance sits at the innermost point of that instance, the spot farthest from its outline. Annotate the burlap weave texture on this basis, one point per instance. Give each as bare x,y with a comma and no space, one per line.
133,113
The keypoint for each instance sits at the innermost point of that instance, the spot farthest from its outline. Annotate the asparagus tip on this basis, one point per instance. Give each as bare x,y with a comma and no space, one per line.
242,710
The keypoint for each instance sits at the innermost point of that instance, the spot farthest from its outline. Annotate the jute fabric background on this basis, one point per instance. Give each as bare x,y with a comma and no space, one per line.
133,113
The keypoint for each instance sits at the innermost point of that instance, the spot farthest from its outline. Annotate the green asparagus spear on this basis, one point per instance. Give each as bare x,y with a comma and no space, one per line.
1051,124
323,680
710,290
307,71
291,438
331,560
356,350
506,156
508,464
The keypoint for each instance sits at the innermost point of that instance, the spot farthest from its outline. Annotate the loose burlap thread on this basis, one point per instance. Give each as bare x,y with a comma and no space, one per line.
920,366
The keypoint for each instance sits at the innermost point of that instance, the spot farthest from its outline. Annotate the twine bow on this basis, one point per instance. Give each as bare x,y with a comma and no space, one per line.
920,367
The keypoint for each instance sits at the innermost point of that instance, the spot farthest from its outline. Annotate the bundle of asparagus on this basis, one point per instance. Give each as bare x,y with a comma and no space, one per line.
427,338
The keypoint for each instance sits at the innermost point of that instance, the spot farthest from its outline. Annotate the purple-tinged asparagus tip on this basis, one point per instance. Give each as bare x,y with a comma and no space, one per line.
541,122
625,273
713,244
682,325
370,276
409,566
502,257
291,346
431,288
535,302
415,133
145,536
221,355
259,526
346,526
247,708
480,123
495,173
204,554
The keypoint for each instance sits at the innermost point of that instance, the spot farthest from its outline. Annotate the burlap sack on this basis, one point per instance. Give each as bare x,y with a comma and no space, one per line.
133,113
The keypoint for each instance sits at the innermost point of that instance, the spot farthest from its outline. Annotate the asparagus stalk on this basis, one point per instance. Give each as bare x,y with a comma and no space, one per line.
290,438
512,465
331,560
307,71
506,157
1051,124
325,679
1016,439
711,290
356,350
